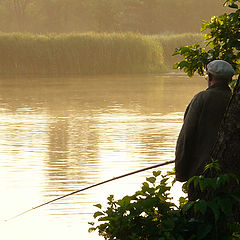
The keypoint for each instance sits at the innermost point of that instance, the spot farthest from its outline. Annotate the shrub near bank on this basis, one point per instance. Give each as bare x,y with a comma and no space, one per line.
150,214
89,53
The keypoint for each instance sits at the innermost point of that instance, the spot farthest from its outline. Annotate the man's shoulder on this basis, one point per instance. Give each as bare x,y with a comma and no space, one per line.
211,91
211,94
200,95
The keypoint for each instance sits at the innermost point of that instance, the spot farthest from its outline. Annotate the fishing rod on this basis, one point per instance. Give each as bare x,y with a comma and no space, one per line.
92,186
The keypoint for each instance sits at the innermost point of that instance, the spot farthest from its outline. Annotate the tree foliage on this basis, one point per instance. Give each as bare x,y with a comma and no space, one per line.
222,41
149,214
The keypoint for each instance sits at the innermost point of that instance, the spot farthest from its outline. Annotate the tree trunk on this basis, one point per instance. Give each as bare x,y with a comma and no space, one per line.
227,147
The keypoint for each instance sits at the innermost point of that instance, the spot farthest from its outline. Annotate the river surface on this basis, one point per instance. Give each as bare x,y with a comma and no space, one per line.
58,135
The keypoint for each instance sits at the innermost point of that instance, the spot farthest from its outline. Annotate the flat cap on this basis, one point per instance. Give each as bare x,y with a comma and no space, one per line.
220,68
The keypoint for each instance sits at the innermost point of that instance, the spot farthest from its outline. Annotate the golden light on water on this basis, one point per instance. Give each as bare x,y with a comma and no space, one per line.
57,143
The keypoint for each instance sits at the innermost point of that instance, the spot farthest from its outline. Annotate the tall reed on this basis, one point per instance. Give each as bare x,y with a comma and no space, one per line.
170,42
89,53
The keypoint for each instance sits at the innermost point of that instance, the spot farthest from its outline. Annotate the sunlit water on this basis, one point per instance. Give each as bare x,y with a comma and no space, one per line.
61,135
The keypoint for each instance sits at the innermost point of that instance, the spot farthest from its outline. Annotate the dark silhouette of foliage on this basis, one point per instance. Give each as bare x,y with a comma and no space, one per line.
150,213
222,41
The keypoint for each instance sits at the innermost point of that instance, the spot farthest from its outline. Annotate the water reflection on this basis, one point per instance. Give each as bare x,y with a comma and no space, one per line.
60,135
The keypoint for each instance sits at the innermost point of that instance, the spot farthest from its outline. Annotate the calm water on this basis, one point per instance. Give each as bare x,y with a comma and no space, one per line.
60,135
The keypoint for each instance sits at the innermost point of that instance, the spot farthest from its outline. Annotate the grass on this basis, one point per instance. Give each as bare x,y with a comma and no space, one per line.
170,42
88,53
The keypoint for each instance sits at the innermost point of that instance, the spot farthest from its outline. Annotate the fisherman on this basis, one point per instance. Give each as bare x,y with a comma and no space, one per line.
202,119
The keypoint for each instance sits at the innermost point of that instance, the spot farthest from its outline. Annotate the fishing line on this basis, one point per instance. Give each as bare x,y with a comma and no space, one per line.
92,186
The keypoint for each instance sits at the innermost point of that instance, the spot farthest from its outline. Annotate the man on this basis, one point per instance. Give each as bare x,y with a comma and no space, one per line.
201,122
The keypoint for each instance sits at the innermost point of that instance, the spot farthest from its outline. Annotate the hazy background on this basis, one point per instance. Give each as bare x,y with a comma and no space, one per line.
143,16
60,134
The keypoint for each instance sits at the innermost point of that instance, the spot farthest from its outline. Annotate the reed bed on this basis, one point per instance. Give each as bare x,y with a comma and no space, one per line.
89,53
170,42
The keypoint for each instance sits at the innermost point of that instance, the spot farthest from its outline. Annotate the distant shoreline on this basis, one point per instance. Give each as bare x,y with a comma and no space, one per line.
89,53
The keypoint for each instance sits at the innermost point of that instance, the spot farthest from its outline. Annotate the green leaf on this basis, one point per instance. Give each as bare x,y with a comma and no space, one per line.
222,180
234,177
182,64
146,185
176,65
98,206
124,201
211,183
187,206
92,229
103,219
149,203
156,173
202,183
204,26
138,193
203,231
193,180
211,44
182,201
171,173
200,206
151,179
233,5
213,166
185,49
110,198
176,52
226,206
185,187
97,214
215,209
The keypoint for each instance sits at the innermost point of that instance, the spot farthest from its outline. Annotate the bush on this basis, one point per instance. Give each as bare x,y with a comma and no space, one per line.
221,42
149,214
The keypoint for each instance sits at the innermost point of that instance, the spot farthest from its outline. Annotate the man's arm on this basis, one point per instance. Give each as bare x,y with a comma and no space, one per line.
184,161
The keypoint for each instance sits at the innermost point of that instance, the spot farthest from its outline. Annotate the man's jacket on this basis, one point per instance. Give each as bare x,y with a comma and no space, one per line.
199,131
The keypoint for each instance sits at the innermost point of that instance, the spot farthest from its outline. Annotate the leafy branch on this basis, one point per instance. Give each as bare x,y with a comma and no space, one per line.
150,214
222,41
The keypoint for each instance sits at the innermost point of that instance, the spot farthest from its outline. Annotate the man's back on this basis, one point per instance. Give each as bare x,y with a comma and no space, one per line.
199,132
